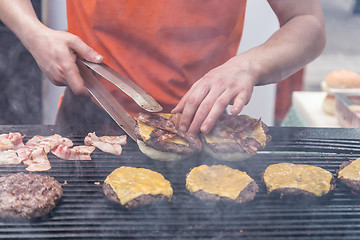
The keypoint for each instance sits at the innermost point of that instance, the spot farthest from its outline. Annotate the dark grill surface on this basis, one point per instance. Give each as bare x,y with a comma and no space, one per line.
85,213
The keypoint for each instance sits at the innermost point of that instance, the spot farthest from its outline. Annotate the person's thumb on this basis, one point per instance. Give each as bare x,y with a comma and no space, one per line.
84,51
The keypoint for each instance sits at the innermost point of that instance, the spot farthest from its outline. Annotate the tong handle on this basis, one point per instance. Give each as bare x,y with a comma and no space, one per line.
142,98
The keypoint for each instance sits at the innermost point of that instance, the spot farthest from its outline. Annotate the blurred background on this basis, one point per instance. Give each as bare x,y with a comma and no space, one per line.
27,98
342,49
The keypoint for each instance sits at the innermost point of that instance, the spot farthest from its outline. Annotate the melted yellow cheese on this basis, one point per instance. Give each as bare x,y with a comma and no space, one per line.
129,183
257,133
218,180
145,131
351,171
305,177
164,115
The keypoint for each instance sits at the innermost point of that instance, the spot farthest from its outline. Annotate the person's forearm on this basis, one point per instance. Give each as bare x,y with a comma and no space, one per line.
299,41
288,50
54,51
19,16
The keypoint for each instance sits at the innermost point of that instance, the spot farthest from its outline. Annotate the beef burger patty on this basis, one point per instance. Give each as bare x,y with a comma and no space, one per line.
220,183
136,187
136,202
297,180
349,174
26,196
236,138
159,137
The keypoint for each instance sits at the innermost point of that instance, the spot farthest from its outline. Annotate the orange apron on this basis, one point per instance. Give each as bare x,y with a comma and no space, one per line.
162,45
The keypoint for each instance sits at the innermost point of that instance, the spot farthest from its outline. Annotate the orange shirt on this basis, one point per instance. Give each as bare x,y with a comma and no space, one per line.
162,45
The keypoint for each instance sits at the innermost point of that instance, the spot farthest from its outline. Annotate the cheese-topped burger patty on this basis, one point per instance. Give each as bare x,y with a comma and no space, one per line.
236,138
26,196
135,187
221,183
349,174
159,137
287,179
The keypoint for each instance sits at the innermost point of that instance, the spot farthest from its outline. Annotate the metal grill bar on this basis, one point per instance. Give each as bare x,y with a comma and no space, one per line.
85,213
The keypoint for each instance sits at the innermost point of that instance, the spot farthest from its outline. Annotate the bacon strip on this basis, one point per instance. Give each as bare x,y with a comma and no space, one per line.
38,160
10,141
48,142
109,144
237,128
158,122
75,153
37,149
171,125
9,157
161,135
121,140
12,149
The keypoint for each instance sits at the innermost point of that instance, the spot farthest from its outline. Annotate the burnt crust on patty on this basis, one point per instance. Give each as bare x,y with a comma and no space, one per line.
296,193
218,147
140,201
165,146
352,184
236,138
246,195
287,193
27,196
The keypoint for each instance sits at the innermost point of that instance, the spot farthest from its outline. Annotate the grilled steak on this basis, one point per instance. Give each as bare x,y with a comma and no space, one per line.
140,201
26,196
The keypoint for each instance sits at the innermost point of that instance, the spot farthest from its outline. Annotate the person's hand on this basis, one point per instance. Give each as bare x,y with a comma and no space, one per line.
208,98
56,52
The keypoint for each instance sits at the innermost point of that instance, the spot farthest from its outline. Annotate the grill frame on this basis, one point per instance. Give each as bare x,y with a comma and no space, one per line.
85,213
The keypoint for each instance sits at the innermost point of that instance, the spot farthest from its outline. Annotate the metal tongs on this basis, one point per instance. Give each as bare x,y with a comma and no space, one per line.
91,72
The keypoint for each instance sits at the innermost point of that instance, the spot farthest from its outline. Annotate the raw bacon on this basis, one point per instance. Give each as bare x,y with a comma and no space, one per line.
121,140
48,142
109,144
12,149
23,153
75,153
11,141
38,147
9,157
38,160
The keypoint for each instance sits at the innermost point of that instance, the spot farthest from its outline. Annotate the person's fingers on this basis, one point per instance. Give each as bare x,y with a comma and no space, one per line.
83,50
180,106
239,102
209,111
74,79
76,83
191,103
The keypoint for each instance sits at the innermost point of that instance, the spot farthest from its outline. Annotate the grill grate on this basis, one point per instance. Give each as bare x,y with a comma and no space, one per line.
85,213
